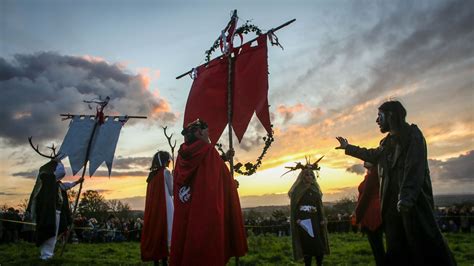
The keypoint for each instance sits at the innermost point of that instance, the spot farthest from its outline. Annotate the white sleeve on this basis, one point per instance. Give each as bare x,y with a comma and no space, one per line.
169,181
67,185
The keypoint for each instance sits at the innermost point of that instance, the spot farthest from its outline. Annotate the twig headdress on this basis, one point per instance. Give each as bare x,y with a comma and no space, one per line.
308,166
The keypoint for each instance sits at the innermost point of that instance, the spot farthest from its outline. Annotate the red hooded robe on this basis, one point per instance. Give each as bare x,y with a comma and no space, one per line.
154,243
368,204
208,229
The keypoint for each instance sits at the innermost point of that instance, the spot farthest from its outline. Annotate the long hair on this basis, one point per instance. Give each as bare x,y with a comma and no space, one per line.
299,181
160,159
397,111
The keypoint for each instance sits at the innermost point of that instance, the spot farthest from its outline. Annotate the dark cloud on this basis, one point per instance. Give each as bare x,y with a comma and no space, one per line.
441,37
36,88
252,139
249,143
101,191
409,42
12,194
100,173
104,173
125,163
28,174
357,169
140,166
458,169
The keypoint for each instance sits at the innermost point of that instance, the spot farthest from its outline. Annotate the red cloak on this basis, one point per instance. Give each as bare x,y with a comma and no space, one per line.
154,244
368,204
207,229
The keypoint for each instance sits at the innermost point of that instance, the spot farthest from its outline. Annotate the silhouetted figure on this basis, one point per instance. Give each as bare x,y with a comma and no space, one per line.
413,237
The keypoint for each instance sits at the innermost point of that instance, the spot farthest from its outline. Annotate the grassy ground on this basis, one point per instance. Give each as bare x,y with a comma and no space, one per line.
346,249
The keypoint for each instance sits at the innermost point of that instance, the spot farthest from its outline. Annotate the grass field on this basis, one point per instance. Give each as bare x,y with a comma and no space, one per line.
346,249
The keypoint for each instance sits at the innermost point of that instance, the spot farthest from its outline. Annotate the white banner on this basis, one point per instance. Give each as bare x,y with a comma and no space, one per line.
102,147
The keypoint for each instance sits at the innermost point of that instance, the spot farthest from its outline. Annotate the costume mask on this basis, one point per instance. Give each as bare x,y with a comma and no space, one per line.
59,172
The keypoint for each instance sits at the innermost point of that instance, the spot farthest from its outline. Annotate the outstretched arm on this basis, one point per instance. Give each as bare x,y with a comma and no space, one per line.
69,185
368,155
342,143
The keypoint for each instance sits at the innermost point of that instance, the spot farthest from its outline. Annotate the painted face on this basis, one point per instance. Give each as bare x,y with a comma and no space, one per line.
382,122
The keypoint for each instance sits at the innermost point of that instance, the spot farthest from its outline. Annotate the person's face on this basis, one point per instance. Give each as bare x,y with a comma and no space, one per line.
382,121
203,134
307,177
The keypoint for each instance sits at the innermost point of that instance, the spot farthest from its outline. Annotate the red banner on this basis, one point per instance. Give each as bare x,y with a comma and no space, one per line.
207,99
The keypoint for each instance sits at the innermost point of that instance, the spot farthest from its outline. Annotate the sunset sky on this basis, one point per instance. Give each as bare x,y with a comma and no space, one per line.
341,60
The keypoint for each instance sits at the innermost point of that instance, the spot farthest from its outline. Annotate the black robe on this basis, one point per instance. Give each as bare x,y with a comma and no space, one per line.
44,202
413,237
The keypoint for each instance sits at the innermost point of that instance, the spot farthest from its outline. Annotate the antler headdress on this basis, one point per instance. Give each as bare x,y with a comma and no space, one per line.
310,166
53,154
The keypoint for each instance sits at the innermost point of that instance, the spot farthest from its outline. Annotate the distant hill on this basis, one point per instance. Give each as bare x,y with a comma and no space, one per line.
451,199
440,201
281,201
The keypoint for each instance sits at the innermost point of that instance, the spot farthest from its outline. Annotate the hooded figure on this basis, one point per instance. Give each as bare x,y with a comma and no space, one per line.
159,209
368,212
48,206
208,227
308,223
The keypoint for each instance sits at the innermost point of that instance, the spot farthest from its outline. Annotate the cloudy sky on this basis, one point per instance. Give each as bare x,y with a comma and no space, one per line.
341,60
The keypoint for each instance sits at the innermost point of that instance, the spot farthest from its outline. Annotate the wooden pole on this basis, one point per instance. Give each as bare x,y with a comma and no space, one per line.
230,78
86,159
80,186
273,30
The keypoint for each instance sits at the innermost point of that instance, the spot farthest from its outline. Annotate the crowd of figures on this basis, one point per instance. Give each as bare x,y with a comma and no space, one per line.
113,229
193,215
13,228
454,219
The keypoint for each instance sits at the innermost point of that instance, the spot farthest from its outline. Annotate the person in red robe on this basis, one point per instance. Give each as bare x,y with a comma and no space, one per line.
156,232
208,227
368,212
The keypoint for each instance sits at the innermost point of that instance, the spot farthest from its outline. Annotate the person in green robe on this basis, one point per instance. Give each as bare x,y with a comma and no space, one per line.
308,222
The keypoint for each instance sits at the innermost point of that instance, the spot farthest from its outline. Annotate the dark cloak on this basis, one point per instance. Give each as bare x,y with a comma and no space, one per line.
412,236
42,205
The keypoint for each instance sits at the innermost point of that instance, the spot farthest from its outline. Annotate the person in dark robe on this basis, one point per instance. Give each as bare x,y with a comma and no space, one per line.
48,206
407,206
158,218
308,222
208,227
367,212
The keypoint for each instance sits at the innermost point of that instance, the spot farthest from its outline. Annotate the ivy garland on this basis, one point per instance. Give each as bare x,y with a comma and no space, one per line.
244,29
251,168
